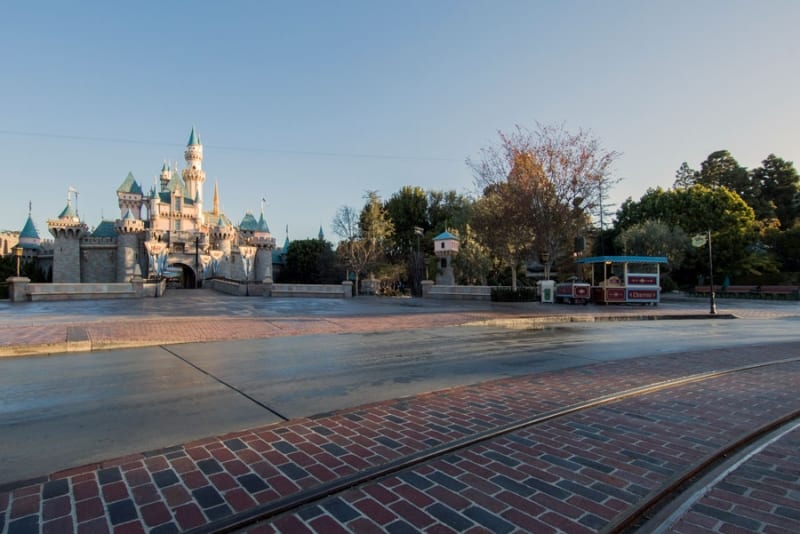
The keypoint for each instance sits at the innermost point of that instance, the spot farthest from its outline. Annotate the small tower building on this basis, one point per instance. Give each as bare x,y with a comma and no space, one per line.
445,247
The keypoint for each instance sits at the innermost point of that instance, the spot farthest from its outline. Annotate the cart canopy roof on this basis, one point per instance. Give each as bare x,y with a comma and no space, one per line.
623,259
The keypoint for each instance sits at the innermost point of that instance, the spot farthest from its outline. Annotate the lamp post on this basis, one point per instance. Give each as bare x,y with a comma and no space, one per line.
418,285
18,255
546,262
196,260
698,241
713,303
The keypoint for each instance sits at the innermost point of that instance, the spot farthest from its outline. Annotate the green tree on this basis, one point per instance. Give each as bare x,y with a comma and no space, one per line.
473,262
720,169
655,238
685,176
503,227
785,244
448,210
779,184
735,232
310,261
407,209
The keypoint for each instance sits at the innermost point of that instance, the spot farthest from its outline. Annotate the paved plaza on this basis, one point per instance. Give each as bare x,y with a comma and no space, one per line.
530,480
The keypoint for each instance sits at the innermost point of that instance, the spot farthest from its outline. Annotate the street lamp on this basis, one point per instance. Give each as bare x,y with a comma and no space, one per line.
713,297
196,260
418,289
546,262
698,241
18,255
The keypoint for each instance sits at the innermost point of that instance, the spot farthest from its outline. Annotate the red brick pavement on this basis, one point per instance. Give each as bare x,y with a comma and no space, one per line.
574,473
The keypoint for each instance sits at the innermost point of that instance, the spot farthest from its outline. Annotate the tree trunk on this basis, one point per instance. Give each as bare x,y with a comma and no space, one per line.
514,277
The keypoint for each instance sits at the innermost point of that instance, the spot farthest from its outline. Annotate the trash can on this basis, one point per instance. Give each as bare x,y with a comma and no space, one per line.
547,290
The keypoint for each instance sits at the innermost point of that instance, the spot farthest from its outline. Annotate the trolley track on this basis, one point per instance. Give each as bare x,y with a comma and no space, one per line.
632,516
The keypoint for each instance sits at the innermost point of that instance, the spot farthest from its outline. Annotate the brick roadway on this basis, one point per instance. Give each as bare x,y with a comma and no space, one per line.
576,473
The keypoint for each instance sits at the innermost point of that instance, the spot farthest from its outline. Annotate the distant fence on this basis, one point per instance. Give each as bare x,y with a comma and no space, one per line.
429,290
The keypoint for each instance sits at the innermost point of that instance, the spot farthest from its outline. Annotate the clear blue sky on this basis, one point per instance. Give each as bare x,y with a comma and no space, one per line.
310,104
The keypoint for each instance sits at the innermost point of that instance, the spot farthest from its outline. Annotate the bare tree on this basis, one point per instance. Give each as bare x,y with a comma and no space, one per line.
345,223
550,182
363,235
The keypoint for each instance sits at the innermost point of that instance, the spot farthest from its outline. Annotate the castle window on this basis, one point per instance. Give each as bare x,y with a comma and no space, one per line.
178,203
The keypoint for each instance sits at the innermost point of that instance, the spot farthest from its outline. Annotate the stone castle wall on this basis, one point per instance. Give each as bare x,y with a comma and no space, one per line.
99,262
66,260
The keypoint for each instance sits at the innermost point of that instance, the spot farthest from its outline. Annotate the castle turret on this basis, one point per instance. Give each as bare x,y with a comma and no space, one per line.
222,235
166,173
67,230
128,229
265,244
193,174
130,197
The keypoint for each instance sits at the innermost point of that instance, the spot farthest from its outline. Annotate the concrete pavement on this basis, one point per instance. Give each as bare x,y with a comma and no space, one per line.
202,315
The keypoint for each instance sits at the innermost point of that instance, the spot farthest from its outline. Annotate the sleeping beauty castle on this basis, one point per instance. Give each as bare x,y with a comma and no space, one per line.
166,231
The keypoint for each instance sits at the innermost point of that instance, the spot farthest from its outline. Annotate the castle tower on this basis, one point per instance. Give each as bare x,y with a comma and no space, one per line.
130,197
222,239
193,174
166,174
445,246
67,230
128,229
265,244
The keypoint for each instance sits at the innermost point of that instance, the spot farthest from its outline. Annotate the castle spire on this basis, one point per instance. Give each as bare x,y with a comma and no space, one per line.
215,209
194,139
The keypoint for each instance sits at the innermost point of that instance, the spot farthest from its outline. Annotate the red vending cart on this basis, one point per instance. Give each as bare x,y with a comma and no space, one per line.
625,279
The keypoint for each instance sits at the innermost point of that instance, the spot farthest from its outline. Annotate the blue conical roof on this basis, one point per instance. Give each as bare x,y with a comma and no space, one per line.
194,139
29,230
68,213
248,223
129,185
262,225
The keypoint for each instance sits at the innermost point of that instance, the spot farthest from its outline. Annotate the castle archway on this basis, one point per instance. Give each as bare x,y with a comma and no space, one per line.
181,276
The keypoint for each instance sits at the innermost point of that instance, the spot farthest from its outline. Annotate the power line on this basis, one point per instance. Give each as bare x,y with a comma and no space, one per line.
315,153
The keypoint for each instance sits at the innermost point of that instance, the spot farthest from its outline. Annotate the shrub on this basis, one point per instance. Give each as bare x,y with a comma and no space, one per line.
506,294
